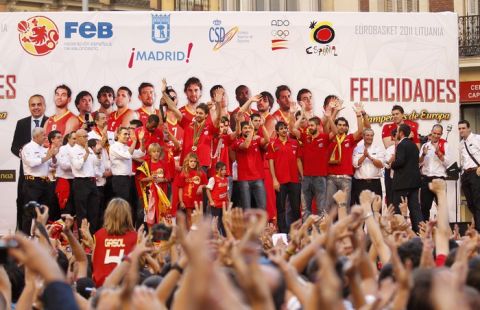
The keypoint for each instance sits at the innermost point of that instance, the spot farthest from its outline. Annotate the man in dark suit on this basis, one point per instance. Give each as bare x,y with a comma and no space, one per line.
22,136
406,177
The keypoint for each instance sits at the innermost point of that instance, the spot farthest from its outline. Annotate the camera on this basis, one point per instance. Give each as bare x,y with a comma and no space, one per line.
4,246
160,232
88,122
30,208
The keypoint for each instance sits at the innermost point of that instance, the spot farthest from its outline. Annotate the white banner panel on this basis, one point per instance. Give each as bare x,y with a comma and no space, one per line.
380,59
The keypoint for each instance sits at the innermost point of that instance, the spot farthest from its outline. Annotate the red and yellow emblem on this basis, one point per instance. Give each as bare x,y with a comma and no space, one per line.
38,35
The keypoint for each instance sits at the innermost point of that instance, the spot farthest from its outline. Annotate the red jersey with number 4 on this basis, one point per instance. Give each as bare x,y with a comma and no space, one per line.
58,123
190,182
219,190
388,128
109,251
284,156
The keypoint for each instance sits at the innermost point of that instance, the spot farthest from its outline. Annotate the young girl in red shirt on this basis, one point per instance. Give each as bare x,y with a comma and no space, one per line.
191,182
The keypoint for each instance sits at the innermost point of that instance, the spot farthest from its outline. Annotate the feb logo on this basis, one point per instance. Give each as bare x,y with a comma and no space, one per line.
160,28
38,35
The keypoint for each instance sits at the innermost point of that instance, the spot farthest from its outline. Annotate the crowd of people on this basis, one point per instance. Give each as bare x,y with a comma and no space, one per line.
194,207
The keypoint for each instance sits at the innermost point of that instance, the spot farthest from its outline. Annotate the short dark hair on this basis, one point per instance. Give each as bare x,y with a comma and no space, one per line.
219,165
343,119
301,92
328,99
269,98
224,119
316,120
105,89
93,142
143,85
254,115
398,108
214,88
203,106
243,124
192,80
52,135
153,118
279,125
280,89
239,88
63,86
96,116
80,95
405,129
136,122
125,88
464,121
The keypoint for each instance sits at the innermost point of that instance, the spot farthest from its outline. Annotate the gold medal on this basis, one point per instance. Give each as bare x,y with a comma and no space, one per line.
194,148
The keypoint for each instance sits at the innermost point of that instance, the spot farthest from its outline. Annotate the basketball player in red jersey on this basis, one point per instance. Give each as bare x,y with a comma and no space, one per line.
193,91
105,97
123,115
283,99
146,94
63,120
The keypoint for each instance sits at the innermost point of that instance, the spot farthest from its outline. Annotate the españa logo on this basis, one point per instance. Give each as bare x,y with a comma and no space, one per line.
38,35
321,32
160,28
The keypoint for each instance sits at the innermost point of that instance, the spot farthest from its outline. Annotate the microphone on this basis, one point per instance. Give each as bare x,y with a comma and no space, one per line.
449,129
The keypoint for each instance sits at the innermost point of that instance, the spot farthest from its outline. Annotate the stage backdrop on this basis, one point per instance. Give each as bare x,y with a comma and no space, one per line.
380,59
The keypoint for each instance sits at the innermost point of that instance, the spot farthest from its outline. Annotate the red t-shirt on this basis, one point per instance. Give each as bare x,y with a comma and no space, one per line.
220,153
315,155
250,160
345,166
388,128
284,156
144,114
190,182
203,148
150,137
58,123
109,251
219,191
281,116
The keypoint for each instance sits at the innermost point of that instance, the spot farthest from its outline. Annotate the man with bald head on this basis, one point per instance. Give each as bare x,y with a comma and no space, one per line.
23,135
36,160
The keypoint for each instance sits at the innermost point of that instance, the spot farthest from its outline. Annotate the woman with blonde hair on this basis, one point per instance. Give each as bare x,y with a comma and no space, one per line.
114,240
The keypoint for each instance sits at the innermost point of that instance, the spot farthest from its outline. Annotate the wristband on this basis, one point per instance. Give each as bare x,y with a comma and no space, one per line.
342,205
126,258
177,268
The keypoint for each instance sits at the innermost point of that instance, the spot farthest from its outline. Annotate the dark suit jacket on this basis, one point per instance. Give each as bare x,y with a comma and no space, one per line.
406,167
23,134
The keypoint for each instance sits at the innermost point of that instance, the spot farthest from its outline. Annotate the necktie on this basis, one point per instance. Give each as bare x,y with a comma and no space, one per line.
37,123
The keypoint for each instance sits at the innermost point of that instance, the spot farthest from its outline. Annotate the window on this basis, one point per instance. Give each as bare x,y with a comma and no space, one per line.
401,5
192,5
473,7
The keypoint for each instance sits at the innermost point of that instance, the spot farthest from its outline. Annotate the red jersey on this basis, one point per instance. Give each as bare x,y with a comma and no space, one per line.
58,123
109,251
344,166
190,182
187,113
144,114
314,154
284,156
220,148
162,169
388,128
218,187
115,120
177,131
250,160
203,147
281,116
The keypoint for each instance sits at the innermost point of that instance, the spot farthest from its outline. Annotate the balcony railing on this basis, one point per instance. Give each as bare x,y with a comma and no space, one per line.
469,35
